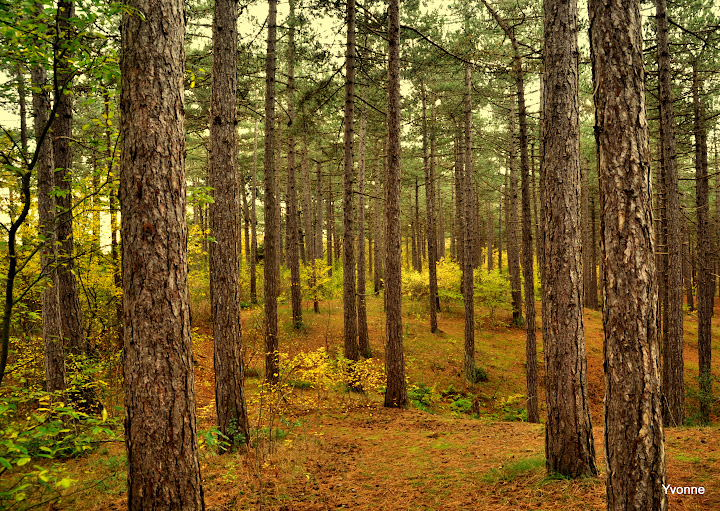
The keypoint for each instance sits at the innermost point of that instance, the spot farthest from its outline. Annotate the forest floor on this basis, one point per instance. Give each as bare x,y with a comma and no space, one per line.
458,447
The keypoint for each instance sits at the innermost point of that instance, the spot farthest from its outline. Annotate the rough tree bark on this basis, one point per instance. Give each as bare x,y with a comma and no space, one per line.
363,335
225,299
429,167
349,291
511,223
253,220
634,450
673,364
54,354
270,255
291,217
705,250
569,447
468,288
396,392
160,424
70,314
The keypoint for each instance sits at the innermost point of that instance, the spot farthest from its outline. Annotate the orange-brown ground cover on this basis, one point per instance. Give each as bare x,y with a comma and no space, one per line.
337,449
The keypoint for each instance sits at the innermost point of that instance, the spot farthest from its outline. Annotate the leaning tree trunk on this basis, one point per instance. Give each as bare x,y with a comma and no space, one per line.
634,449
569,446
705,251
70,314
160,425
673,364
270,255
225,298
54,354
396,391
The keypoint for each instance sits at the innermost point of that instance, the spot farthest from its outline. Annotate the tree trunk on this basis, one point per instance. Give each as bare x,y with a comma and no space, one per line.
429,167
307,209
54,354
502,205
160,425
468,288
363,336
586,235
459,199
634,450
291,217
70,314
440,230
687,261
490,236
270,255
225,228
535,199
114,208
396,390
569,447
330,220
253,221
511,223
705,250
593,289
377,209
673,377
349,293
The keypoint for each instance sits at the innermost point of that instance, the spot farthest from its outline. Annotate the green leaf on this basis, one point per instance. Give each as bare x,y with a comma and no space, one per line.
65,483
22,461
5,463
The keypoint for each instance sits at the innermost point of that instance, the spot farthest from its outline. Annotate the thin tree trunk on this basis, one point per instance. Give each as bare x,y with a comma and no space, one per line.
467,265
377,208
687,262
225,299
593,289
634,436
54,354
363,336
396,390
490,226
114,208
291,217
429,166
511,222
270,255
70,314
330,219
502,206
160,424
569,446
253,221
705,250
349,292
673,364
586,235
307,209
459,199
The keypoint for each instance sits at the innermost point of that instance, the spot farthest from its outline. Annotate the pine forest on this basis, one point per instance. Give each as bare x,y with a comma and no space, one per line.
311,255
